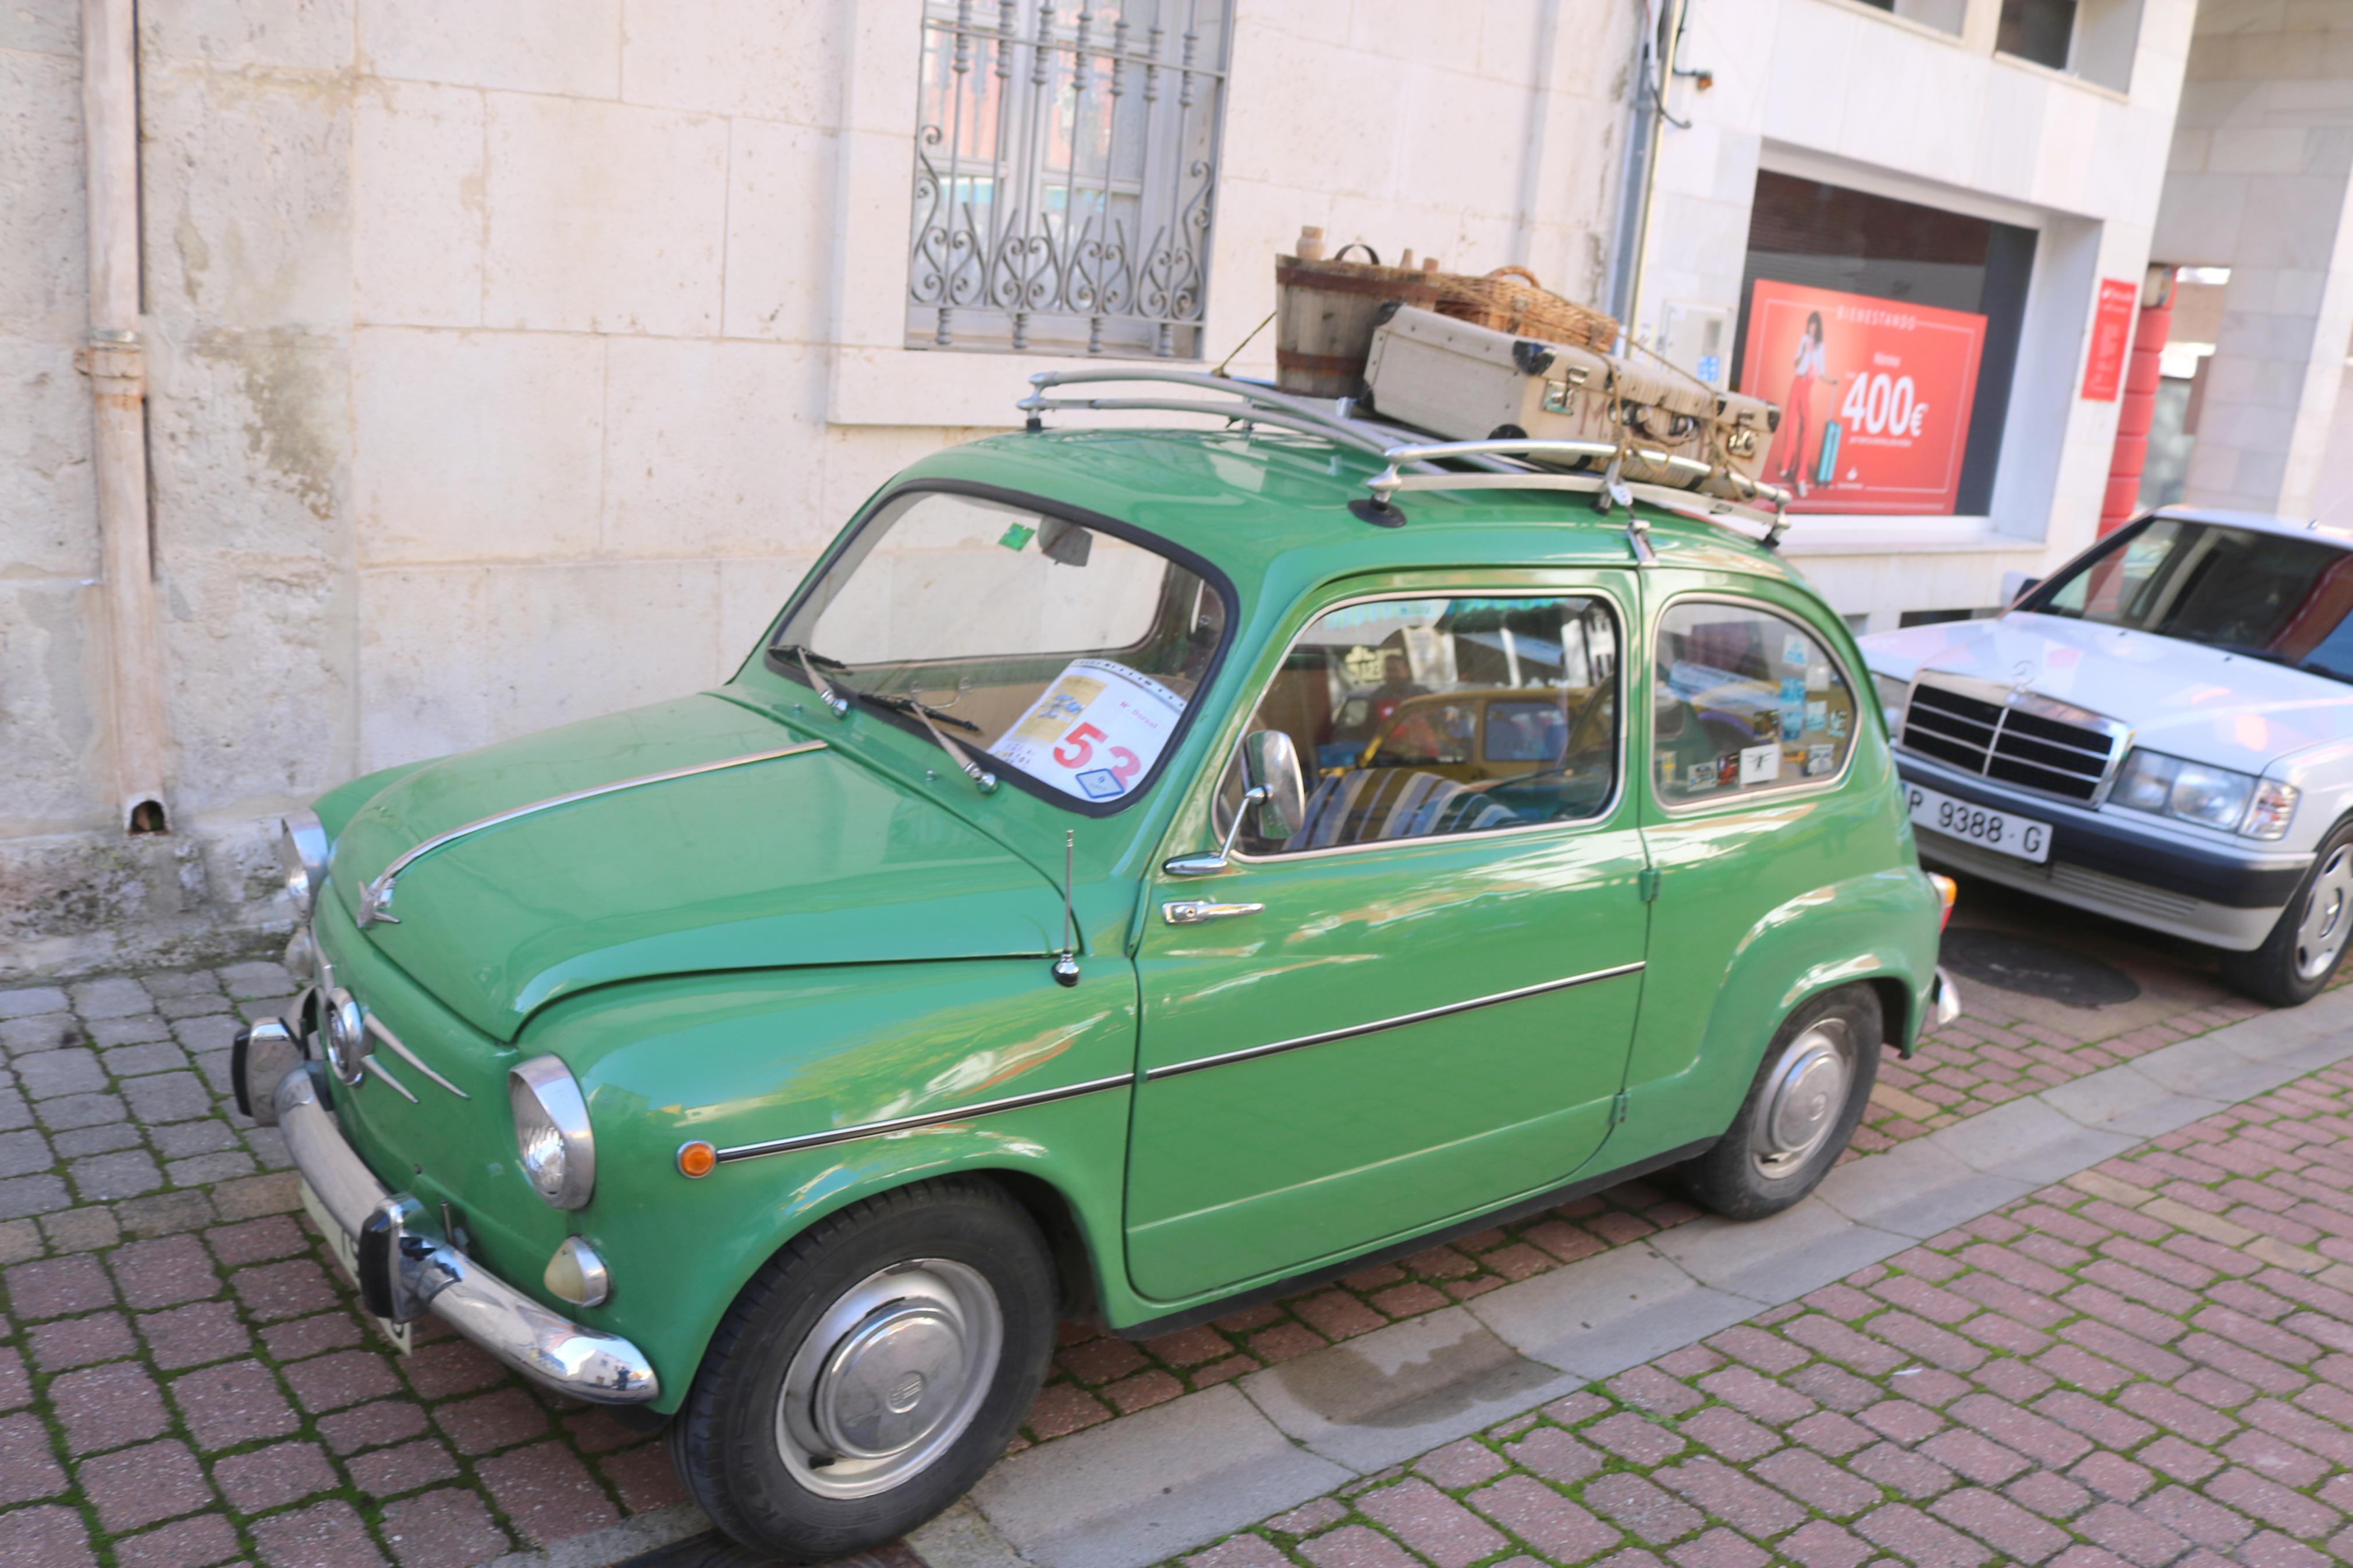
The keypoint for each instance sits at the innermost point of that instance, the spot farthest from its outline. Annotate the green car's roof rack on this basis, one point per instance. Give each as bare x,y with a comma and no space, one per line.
1414,463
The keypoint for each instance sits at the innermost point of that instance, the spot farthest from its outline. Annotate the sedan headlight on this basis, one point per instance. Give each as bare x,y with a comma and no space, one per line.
1893,695
553,1142
302,859
2204,794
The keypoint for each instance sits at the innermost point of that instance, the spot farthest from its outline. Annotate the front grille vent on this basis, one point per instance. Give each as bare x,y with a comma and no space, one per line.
2007,743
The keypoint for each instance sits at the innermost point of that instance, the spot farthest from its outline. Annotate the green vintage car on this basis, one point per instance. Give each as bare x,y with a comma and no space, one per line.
780,1063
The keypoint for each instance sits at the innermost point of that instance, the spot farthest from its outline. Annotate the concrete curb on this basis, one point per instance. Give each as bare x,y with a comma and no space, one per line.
1146,1487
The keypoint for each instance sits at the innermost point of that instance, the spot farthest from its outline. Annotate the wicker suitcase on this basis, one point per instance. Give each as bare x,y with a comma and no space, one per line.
1469,382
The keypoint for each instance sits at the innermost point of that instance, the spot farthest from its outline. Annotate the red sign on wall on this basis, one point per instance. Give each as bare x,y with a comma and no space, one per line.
2104,370
1874,395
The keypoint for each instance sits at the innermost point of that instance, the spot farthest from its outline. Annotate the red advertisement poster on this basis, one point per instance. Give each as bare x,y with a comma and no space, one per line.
2103,369
1874,397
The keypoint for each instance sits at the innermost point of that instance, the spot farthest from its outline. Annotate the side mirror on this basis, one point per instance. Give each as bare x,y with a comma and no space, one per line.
1272,786
1271,777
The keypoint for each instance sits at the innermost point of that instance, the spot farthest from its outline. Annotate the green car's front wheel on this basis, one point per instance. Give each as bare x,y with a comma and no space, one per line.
1808,1097
870,1373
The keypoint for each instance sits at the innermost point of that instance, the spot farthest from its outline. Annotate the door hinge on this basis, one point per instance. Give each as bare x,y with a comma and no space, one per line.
1618,1109
1648,880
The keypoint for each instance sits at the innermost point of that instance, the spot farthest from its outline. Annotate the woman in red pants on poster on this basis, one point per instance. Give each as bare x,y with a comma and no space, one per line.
1787,464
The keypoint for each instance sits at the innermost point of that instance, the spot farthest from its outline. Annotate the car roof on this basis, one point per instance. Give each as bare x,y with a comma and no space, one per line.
1254,502
2261,521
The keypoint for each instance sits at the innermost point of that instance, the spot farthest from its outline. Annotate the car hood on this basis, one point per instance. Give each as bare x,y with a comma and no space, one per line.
2179,697
808,858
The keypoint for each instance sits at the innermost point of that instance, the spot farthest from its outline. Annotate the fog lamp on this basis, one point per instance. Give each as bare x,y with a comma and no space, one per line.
576,1274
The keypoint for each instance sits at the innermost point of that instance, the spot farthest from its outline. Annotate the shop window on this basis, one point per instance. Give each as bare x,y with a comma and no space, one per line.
1888,331
1945,16
1415,718
1746,702
1066,172
2093,38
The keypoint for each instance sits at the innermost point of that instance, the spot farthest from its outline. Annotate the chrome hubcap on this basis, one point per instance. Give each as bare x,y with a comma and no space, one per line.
1803,1097
2321,935
890,1377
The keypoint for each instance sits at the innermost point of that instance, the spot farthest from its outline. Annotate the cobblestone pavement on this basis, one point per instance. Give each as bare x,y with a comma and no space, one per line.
2149,1365
184,1376
184,1379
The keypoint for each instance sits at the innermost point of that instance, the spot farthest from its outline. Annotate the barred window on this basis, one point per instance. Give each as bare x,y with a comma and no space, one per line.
1066,168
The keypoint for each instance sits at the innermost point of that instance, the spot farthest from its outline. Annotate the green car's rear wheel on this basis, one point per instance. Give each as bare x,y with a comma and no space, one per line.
1808,1097
870,1373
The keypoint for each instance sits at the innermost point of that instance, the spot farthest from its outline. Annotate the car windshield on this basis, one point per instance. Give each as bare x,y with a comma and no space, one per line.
1067,654
2270,597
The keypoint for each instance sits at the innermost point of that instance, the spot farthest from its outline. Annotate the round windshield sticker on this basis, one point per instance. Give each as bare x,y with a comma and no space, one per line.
1095,731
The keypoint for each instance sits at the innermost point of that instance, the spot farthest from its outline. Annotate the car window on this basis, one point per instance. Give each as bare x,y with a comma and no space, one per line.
2270,597
1415,718
1065,653
1746,701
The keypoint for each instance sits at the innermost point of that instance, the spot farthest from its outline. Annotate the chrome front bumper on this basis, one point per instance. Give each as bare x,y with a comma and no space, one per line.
406,1270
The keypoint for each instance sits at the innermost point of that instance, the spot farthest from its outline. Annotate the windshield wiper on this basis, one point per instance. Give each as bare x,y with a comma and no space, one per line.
931,718
810,660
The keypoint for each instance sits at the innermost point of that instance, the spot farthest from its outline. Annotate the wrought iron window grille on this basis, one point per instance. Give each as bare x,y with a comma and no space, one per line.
1066,175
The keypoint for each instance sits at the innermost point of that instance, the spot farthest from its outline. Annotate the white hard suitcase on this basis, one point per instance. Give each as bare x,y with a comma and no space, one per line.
1469,382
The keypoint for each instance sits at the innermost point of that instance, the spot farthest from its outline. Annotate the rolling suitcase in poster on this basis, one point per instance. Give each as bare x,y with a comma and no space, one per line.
1827,470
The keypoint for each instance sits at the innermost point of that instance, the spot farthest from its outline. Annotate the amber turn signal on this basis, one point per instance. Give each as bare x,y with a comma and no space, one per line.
697,1159
1947,891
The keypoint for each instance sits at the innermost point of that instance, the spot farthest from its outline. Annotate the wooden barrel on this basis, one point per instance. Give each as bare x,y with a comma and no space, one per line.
1324,319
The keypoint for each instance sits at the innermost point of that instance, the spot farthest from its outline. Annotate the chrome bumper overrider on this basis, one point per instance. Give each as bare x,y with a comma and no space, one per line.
1943,998
406,1270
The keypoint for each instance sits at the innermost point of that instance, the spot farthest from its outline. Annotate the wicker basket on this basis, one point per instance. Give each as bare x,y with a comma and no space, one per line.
1510,299
1324,316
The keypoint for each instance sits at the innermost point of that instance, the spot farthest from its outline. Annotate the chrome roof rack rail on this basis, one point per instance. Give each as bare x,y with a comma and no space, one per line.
1504,464
1608,484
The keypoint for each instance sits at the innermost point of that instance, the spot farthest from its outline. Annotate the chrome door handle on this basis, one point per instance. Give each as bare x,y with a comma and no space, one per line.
1200,911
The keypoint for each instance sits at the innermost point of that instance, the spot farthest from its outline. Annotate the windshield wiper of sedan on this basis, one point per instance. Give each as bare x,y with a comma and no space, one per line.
827,693
931,718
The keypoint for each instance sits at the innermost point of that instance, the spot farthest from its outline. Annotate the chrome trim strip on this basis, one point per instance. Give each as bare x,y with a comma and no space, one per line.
1249,1052
384,1072
376,897
929,1118
392,1043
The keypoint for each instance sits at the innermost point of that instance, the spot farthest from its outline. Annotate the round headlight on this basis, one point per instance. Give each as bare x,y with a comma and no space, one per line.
302,859
345,1030
553,1142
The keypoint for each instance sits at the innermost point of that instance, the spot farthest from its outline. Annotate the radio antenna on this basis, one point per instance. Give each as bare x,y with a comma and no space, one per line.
1066,963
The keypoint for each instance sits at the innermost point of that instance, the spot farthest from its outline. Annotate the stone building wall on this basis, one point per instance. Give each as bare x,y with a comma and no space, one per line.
510,363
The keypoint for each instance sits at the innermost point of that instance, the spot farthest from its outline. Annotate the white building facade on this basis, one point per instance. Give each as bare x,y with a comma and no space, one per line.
505,365
1850,149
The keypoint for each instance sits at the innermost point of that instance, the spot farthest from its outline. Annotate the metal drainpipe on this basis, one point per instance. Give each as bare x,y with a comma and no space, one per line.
1654,64
116,364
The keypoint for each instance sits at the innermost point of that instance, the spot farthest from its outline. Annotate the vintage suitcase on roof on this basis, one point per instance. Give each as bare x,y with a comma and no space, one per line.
1469,383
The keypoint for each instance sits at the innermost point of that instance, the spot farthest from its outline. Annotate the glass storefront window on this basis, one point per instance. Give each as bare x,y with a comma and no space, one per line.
1888,331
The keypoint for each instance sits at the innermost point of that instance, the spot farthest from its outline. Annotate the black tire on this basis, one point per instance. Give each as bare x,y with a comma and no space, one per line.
732,1441
1760,1166
2307,942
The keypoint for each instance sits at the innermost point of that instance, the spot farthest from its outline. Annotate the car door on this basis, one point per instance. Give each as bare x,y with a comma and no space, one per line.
1419,1006
1757,827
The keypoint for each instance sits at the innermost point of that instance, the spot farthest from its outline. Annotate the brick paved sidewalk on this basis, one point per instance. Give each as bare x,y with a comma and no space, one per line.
2149,1365
184,1378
